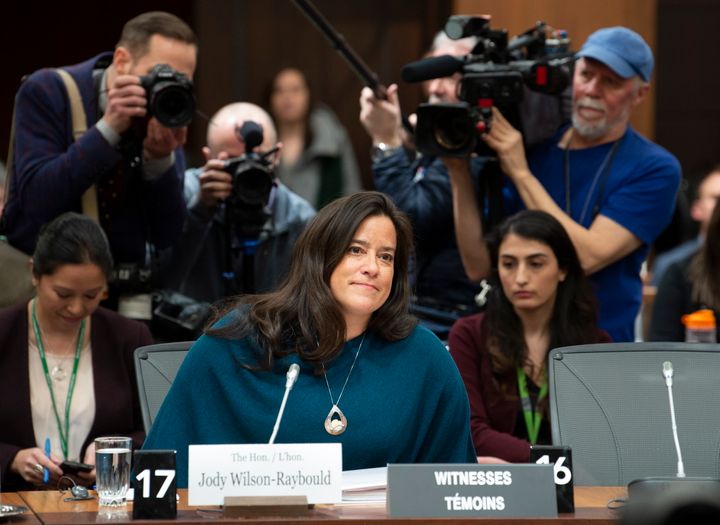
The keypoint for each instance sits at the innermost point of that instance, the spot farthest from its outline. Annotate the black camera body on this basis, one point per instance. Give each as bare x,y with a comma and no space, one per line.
131,278
252,181
495,73
170,97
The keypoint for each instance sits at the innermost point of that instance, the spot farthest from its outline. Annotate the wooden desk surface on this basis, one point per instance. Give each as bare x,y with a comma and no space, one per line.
27,517
590,507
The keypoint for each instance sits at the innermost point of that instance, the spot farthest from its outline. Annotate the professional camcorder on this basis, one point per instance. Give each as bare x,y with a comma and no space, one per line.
252,175
495,73
170,96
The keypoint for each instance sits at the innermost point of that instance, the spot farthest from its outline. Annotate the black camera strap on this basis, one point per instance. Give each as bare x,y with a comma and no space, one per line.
600,179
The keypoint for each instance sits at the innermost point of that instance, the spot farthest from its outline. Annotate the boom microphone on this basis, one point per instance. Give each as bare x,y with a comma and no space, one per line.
430,68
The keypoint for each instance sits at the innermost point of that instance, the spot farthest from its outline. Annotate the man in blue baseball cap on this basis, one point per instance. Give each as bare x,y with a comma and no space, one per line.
611,188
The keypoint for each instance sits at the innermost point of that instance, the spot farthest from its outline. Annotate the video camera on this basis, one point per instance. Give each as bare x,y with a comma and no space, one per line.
495,73
252,181
170,96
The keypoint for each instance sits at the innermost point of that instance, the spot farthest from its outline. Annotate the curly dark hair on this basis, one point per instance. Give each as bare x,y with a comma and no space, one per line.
302,316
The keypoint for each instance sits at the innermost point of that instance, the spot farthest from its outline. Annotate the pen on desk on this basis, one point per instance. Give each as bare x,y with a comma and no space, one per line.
46,472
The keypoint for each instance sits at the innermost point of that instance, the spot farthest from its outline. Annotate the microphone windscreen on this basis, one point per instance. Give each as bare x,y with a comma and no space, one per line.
429,68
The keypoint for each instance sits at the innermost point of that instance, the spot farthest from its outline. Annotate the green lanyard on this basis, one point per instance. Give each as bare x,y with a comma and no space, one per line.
64,435
533,418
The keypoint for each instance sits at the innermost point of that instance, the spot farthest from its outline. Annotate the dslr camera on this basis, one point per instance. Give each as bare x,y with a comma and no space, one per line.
170,97
495,73
252,181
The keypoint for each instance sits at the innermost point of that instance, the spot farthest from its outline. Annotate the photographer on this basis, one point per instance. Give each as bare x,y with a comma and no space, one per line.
612,189
223,225
126,165
420,187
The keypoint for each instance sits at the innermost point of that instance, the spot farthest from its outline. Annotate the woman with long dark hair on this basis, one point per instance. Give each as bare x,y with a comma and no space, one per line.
540,299
688,285
369,377
317,160
66,365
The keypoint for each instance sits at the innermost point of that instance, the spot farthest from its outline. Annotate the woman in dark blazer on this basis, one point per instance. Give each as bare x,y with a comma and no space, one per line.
66,364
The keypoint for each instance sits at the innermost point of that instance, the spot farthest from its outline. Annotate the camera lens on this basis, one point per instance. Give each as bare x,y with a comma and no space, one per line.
253,183
172,104
453,131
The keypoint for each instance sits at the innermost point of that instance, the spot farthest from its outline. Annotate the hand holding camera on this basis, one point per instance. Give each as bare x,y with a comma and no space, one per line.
507,142
126,100
215,182
161,141
164,94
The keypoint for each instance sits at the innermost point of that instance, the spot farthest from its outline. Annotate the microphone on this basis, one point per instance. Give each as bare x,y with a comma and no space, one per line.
291,377
667,371
430,68
656,487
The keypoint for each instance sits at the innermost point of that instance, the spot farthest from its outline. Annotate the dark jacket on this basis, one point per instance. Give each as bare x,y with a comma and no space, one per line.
493,414
113,340
51,171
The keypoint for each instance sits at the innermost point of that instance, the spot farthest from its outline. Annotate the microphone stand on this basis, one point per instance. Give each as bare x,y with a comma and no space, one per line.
657,485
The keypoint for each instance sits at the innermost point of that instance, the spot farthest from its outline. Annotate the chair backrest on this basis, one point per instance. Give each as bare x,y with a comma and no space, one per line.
610,403
155,368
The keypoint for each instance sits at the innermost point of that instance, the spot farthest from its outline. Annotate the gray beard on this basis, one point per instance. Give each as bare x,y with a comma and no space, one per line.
589,131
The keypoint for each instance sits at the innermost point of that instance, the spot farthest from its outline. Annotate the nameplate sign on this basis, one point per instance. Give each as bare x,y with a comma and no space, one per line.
452,490
313,470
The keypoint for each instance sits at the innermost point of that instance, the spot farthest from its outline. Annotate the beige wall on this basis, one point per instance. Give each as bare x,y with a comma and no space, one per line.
579,18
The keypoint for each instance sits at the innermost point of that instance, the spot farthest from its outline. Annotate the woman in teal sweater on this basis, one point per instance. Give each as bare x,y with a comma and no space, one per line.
370,378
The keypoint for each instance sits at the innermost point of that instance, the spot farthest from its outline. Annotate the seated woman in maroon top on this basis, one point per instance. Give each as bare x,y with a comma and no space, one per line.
540,299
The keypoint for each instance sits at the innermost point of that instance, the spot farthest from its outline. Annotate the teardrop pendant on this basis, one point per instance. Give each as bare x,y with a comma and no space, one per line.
335,422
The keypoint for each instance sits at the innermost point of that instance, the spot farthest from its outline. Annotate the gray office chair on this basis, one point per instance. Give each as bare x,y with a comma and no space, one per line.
609,402
155,369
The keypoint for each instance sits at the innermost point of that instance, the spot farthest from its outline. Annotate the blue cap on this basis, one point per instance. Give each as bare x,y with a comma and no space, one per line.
620,49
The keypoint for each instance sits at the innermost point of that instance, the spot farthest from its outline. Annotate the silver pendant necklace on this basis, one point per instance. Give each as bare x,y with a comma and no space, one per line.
58,372
336,423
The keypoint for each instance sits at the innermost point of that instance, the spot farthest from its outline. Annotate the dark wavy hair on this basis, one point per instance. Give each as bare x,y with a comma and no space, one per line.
704,270
574,315
302,316
71,238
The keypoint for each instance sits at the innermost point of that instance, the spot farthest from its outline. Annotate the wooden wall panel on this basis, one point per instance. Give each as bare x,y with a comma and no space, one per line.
579,18
688,106
244,43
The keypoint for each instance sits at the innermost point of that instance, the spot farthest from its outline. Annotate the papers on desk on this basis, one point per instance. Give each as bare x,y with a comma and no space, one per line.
364,486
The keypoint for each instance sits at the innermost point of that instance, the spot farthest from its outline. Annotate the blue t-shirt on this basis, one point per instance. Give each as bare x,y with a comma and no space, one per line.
635,187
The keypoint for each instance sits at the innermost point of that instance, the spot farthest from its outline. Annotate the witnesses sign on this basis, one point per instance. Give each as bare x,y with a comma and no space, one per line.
447,490
313,470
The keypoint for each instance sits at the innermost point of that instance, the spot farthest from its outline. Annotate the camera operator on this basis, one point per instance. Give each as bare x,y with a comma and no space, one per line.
200,258
420,186
612,189
130,165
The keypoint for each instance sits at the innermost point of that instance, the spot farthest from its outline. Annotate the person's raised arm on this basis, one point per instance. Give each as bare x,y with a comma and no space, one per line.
603,243
382,118
467,220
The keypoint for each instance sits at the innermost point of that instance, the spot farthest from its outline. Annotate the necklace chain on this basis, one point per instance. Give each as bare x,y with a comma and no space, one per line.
334,403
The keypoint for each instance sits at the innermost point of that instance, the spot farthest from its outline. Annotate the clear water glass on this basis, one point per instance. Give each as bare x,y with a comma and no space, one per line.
112,469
